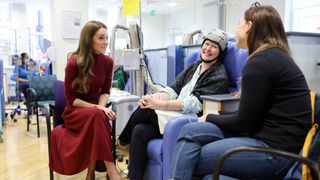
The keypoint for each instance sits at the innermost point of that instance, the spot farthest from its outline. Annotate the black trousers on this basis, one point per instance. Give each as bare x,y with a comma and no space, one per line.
140,129
23,86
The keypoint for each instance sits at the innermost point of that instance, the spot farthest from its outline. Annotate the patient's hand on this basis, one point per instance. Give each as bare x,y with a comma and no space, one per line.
237,94
149,101
202,118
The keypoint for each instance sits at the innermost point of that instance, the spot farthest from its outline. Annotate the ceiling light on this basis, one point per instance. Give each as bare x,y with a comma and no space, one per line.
172,4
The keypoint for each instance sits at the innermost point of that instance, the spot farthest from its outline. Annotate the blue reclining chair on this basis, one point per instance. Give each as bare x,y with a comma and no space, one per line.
160,150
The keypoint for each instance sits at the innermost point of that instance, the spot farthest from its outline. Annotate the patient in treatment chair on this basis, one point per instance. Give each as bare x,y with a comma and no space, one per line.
203,77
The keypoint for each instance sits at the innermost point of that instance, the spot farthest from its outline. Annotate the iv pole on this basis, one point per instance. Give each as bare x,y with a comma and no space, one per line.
17,62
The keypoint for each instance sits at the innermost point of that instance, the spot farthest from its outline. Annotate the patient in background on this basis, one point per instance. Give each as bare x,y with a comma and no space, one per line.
20,74
203,77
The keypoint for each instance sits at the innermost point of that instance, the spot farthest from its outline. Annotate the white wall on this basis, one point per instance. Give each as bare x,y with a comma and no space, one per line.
153,28
235,12
63,46
198,16
306,16
179,23
209,17
203,16
158,31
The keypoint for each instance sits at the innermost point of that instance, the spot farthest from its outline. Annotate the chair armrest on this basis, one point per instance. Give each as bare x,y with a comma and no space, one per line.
213,104
48,114
220,97
32,95
113,134
173,127
48,122
311,164
170,136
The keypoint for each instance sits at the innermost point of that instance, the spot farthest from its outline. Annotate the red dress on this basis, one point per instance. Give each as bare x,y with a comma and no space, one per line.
86,134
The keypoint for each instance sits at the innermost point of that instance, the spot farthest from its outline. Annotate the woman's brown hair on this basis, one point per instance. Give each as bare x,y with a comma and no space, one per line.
267,29
84,55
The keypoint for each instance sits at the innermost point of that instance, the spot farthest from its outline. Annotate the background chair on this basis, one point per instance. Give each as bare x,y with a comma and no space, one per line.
48,67
56,108
2,101
160,150
18,108
40,95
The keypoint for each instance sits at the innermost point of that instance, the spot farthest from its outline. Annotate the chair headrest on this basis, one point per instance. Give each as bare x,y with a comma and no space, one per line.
192,57
234,60
43,85
59,101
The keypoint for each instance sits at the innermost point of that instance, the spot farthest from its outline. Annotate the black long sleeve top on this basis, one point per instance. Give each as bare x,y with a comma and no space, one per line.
275,103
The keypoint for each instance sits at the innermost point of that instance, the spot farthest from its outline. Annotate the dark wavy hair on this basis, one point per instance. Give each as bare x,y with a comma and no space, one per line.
267,29
22,57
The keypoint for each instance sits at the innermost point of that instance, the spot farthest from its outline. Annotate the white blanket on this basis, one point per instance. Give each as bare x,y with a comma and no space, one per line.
165,116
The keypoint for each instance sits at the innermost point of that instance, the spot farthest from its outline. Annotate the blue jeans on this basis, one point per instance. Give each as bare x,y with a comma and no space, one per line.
201,144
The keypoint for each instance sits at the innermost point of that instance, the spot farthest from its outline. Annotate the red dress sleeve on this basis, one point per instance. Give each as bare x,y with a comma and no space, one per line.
71,73
105,89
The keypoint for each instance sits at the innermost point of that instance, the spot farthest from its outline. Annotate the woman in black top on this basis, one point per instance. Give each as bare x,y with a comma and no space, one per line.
274,110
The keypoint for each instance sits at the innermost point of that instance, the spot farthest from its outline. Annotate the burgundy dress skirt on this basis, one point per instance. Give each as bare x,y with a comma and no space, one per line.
84,138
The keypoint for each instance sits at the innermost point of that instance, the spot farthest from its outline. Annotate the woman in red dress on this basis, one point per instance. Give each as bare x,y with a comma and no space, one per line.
85,139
